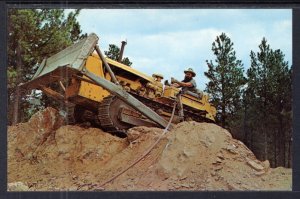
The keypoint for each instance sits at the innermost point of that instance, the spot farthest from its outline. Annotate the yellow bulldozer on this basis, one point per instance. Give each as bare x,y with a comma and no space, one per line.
111,95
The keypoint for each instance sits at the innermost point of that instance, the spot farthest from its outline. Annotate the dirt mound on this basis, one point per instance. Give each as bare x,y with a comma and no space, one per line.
45,155
204,156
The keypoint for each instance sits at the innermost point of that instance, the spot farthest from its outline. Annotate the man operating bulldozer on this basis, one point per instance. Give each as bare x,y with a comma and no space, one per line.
188,84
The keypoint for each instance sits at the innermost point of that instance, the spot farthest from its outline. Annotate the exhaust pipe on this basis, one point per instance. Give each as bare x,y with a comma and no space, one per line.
122,51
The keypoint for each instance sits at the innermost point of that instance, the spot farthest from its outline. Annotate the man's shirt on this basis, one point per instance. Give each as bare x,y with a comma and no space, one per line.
192,89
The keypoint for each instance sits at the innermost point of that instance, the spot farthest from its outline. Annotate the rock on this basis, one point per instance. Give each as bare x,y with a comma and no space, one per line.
37,130
213,173
218,160
192,185
232,186
231,149
260,173
220,155
189,152
218,168
17,186
254,165
185,185
132,135
177,186
266,165
32,184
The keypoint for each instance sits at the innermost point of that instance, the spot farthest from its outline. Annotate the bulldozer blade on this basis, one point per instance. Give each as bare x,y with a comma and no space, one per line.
63,64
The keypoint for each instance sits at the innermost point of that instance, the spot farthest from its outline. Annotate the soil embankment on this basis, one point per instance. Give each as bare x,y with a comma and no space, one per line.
45,155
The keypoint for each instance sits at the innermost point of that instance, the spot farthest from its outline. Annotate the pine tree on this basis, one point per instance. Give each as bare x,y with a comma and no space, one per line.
226,80
33,35
269,96
114,53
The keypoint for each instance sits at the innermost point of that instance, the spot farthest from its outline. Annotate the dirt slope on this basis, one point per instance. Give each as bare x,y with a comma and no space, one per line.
44,154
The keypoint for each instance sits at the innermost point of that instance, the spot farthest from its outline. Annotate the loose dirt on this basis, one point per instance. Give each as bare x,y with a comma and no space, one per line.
46,155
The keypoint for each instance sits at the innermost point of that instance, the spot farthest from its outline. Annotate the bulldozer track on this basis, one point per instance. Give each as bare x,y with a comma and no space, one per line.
104,115
107,123
108,116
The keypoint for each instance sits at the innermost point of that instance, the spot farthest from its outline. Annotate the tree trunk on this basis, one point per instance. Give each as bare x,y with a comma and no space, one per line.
17,95
290,153
284,153
266,144
281,143
223,106
275,149
223,101
251,139
245,128
283,148
16,106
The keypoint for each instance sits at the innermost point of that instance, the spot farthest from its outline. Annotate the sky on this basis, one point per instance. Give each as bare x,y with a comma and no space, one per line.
168,41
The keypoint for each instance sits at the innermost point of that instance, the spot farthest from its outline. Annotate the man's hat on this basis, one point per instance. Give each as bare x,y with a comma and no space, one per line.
157,75
191,71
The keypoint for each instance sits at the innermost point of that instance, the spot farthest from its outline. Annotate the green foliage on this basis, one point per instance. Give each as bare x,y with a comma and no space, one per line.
226,80
33,35
268,103
114,52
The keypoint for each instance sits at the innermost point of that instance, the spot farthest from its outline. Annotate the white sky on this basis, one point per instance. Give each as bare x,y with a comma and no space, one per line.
167,41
